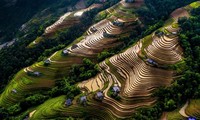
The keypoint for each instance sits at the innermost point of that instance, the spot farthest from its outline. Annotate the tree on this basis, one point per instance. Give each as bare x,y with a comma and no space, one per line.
13,110
170,104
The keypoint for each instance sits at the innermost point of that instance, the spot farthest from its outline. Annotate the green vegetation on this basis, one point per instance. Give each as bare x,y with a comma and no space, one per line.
195,4
193,108
175,115
146,42
83,72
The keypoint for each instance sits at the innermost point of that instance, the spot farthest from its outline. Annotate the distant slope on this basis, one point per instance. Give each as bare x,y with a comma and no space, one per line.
14,13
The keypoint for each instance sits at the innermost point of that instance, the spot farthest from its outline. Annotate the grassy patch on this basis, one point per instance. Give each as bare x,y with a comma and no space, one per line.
37,40
195,4
146,42
105,85
175,25
168,22
193,108
175,115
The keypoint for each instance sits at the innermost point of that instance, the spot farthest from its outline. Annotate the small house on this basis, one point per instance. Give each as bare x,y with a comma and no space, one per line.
14,91
192,118
93,29
36,74
99,95
159,33
174,33
118,23
65,51
83,100
68,102
47,62
116,89
150,61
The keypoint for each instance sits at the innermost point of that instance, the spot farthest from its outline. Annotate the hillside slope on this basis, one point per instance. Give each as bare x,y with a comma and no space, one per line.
125,81
105,36
14,13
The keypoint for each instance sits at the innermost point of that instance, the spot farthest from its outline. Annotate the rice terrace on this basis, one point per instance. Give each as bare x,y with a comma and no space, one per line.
101,60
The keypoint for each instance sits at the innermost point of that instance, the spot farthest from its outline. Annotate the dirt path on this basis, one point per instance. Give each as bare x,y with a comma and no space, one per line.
182,110
31,113
164,116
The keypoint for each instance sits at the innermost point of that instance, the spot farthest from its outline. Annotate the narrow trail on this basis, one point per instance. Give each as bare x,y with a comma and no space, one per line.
164,116
182,110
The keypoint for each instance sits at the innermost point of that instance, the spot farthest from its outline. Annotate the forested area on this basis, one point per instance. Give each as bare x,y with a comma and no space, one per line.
160,9
187,86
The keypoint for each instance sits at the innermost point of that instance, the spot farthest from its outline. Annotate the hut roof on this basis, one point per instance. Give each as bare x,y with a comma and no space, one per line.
192,118
68,102
65,51
83,99
151,61
47,61
99,94
116,89
36,73
14,90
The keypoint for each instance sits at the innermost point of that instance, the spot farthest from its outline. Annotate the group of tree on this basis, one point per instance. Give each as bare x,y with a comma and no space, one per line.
156,10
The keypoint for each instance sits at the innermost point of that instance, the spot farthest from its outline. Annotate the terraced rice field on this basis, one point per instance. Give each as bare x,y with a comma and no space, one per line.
91,44
164,46
68,20
135,77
